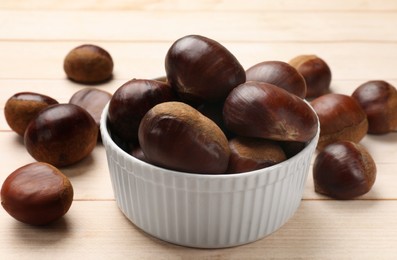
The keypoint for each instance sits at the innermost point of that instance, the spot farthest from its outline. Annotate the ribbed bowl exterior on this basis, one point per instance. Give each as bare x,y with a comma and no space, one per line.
206,211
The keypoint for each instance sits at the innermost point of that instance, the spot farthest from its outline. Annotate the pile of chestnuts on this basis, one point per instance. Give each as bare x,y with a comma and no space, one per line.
207,115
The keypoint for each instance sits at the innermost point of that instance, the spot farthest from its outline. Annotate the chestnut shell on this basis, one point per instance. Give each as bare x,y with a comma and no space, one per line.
379,100
202,70
280,74
130,103
88,64
341,118
249,154
344,170
61,135
37,194
22,107
176,136
263,110
316,73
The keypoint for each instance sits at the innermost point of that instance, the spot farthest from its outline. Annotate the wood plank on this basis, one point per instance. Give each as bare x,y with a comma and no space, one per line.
263,26
318,230
347,60
220,6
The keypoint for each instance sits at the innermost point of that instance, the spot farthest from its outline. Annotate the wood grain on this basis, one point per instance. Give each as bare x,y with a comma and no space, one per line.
357,39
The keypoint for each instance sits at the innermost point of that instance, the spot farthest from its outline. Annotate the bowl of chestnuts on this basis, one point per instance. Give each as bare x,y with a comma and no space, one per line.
208,158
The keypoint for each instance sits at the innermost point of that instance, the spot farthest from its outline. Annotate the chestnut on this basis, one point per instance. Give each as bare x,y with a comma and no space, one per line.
137,152
316,73
344,170
61,135
214,111
291,148
88,64
93,100
202,70
379,100
162,79
176,136
280,74
22,107
263,110
248,154
37,194
341,118
130,103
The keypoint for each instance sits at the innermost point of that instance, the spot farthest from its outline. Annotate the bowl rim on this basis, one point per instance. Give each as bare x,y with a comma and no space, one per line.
105,133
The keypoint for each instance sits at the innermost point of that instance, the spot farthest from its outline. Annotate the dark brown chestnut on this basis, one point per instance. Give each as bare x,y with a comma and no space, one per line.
263,110
316,73
22,107
341,118
130,103
280,74
176,136
344,170
292,148
37,194
93,100
137,152
249,154
379,100
61,135
214,111
202,70
88,64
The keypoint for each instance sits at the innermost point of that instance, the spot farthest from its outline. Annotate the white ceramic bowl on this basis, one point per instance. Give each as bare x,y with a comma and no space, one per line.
206,211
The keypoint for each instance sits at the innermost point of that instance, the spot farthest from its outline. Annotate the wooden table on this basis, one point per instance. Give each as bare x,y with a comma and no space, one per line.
357,38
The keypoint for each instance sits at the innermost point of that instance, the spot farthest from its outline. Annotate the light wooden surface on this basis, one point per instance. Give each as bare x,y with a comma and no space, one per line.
357,38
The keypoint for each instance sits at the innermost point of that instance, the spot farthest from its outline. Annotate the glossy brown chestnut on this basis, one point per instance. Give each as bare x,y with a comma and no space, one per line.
341,118
379,100
316,73
88,64
37,194
176,136
202,70
280,74
262,110
344,170
93,100
61,135
22,107
249,154
130,103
